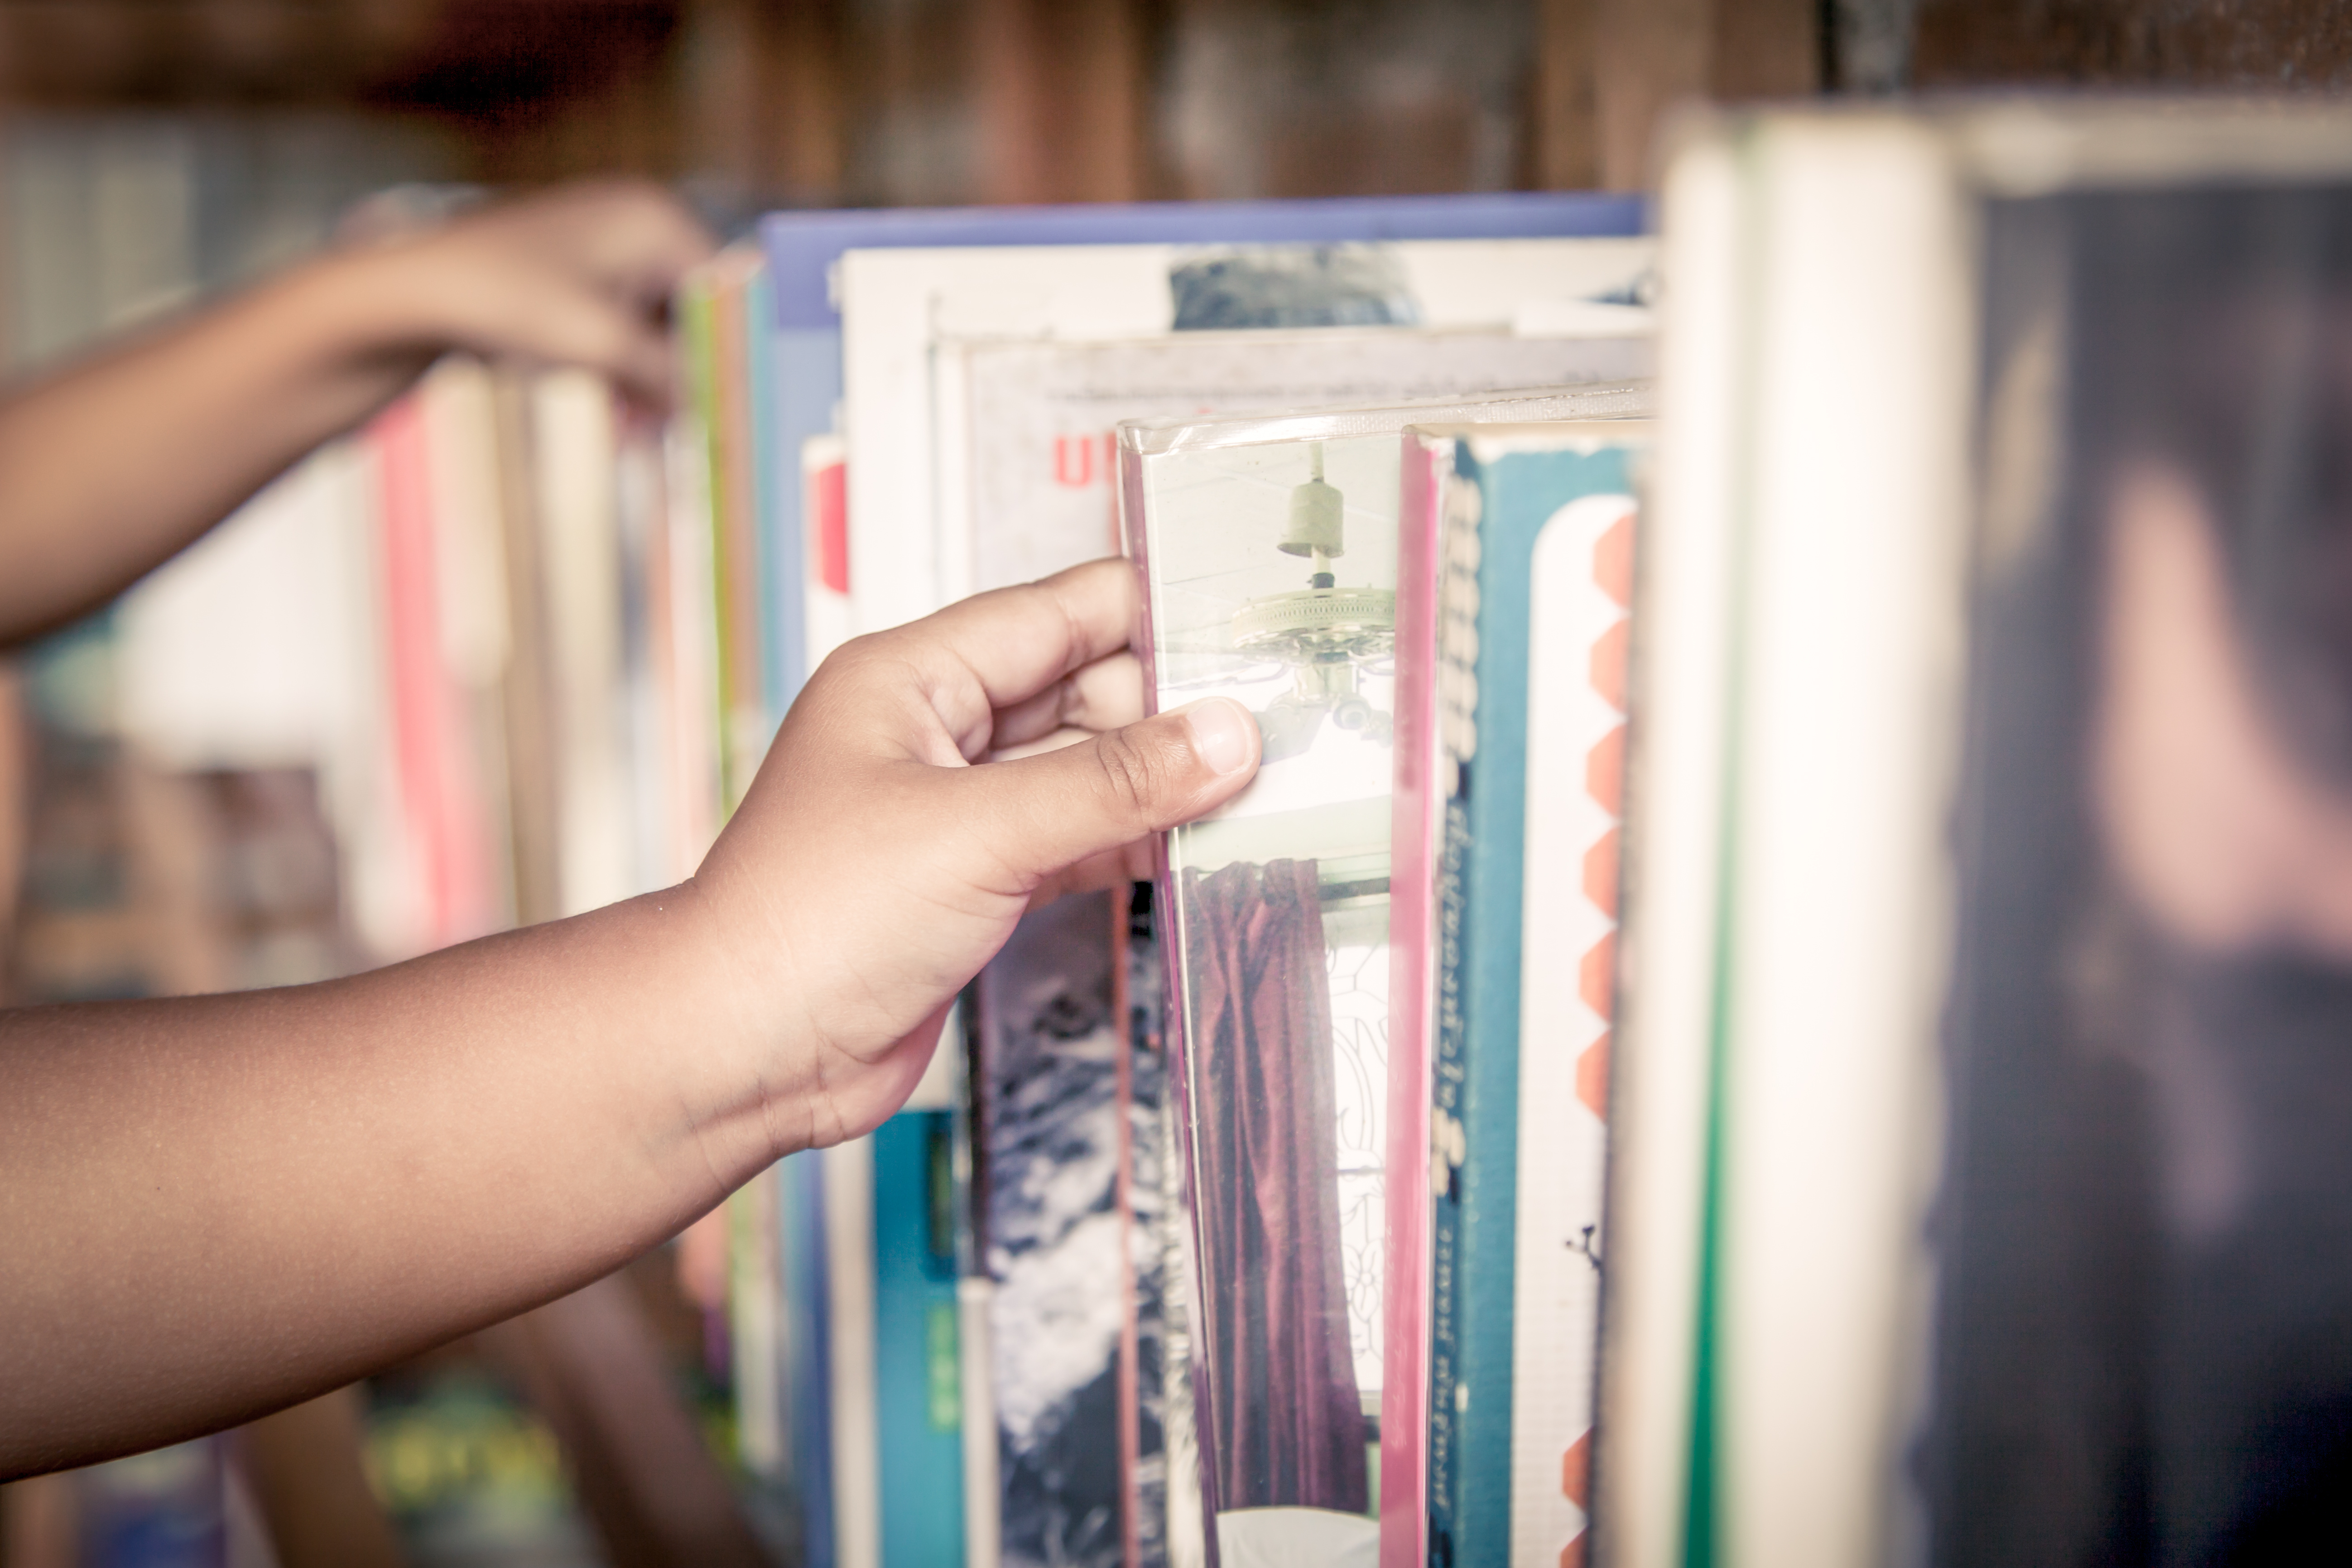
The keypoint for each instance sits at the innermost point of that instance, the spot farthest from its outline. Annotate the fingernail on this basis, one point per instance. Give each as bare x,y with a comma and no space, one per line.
1221,733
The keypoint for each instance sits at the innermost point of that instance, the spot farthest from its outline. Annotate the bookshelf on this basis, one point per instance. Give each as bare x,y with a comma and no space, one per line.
757,104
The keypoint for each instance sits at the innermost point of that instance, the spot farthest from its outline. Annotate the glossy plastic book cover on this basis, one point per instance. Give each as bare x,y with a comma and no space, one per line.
1534,584
1268,548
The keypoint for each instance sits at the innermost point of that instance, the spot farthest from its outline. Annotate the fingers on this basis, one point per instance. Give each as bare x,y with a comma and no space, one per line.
1104,695
1043,815
999,649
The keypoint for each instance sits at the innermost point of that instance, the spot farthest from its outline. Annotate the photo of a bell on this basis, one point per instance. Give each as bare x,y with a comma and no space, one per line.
1315,513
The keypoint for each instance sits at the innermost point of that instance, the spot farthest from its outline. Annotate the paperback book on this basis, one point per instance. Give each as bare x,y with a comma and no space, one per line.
1269,553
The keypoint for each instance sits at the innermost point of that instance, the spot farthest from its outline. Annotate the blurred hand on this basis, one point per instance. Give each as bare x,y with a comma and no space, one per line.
579,275
906,818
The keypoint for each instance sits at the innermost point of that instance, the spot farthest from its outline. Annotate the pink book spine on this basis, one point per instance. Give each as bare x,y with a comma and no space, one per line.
413,661
1412,894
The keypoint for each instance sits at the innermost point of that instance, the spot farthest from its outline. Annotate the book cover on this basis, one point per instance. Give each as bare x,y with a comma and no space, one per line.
1147,1422
1057,1102
1535,577
899,306
1025,428
803,251
1986,1196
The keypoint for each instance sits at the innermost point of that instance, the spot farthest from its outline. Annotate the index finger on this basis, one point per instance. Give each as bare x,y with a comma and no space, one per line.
999,649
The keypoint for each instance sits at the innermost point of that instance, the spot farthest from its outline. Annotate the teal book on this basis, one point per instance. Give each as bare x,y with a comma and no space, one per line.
1535,578
918,1399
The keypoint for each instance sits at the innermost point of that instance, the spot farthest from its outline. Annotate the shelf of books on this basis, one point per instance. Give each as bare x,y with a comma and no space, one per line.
1120,1286
1975,1172
1964,1169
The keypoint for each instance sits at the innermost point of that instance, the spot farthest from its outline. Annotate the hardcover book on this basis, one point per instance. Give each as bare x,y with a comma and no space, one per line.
1417,318
1268,547
1986,1196
804,251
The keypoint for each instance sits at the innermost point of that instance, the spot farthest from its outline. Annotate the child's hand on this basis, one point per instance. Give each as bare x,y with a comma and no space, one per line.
581,276
881,857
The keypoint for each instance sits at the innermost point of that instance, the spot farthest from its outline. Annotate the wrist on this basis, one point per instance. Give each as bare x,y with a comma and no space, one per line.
735,1051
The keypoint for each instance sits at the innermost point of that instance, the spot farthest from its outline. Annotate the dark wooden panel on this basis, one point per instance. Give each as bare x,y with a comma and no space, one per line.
2242,44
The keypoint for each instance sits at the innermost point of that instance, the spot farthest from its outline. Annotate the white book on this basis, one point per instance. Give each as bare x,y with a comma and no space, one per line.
580,543
1028,481
1974,1205
857,1430
900,307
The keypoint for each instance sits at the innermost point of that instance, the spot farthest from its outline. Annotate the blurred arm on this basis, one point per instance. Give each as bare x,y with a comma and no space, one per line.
113,464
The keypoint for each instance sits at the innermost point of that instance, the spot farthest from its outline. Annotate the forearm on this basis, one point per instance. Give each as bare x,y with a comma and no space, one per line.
110,465
225,1204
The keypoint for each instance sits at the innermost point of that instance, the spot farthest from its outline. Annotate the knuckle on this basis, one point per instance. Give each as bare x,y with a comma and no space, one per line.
1131,776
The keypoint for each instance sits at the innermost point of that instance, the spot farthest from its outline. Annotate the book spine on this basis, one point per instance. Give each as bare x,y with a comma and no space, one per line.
1457,716
743,734
809,1309
849,1281
1404,1385
824,508
918,1380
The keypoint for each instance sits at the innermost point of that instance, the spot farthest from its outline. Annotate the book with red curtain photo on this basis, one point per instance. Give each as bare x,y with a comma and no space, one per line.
1269,552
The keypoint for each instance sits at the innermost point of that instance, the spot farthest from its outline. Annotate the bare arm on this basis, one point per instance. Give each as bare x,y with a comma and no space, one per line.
113,464
214,1206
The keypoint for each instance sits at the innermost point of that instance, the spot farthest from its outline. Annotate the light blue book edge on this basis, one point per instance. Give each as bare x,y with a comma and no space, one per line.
916,1390
1471,1483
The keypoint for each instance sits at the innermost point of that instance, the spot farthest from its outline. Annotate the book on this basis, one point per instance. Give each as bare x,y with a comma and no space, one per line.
918,1373
1026,459
1533,533
900,307
1981,1199
576,450
1268,548
824,480
803,252
1056,1231
807,1316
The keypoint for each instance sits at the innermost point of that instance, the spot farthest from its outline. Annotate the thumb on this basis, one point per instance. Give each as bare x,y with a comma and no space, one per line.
1050,811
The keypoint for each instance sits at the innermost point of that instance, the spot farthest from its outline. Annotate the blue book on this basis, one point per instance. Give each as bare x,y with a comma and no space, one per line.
775,483
918,1393
808,1371
1535,576
804,249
